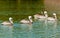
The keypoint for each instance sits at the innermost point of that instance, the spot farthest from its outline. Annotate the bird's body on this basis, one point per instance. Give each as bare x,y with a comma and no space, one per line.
24,21
6,23
40,17
10,22
50,19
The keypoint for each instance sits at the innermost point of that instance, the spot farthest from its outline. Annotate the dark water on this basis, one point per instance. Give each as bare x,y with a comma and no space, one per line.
19,9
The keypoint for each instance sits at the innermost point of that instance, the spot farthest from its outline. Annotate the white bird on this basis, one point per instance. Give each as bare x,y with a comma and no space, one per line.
10,22
52,18
41,17
27,21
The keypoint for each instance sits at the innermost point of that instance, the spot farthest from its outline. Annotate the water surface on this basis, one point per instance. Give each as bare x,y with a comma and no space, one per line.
39,29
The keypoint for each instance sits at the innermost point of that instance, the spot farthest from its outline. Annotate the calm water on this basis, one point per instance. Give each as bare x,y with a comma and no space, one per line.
19,10
39,29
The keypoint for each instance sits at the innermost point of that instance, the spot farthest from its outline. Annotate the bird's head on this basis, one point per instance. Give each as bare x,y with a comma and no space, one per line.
29,17
45,12
54,14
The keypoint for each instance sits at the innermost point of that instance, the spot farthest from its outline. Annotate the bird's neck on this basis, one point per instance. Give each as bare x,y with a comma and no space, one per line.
55,17
11,21
30,20
46,15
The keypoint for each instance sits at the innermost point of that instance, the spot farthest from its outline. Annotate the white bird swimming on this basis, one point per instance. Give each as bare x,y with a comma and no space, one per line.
41,17
52,18
10,22
27,21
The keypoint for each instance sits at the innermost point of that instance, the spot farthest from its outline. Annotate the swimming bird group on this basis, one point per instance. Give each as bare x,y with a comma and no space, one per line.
30,21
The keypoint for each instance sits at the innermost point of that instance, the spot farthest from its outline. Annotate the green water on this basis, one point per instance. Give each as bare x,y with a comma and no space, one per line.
20,8
39,29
